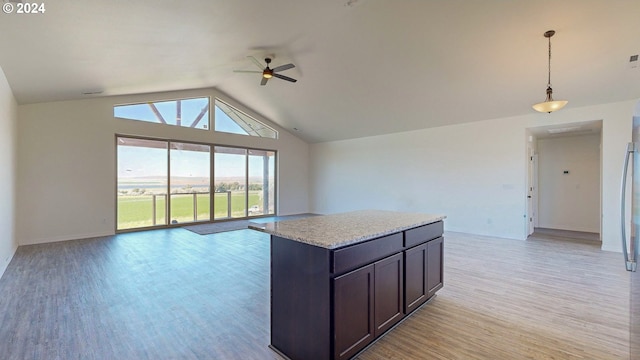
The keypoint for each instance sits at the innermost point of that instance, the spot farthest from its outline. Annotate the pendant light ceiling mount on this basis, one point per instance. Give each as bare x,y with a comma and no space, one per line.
549,105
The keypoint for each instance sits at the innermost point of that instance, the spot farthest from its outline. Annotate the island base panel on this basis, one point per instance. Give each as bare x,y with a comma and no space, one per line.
300,300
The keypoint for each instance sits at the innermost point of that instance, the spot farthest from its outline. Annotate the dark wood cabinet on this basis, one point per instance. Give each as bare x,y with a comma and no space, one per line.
367,302
422,273
415,287
332,303
435,252
389,294
353,299
300,300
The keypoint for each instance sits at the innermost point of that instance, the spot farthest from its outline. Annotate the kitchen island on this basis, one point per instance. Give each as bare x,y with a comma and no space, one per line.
339,282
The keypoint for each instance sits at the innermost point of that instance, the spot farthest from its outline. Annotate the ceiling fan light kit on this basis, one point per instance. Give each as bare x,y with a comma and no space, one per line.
549,105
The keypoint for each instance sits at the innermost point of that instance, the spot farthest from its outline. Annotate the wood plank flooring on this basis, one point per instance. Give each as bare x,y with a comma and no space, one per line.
545,232
173,294
165,294
546,298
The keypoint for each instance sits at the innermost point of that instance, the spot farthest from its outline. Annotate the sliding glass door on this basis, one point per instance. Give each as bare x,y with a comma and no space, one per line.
164,183
230,182
142,183
261,182
190,166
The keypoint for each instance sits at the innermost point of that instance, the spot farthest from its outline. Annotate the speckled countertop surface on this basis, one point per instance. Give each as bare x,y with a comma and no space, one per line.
337,230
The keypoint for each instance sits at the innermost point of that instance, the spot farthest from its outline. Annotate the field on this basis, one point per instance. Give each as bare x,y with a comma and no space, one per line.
137,211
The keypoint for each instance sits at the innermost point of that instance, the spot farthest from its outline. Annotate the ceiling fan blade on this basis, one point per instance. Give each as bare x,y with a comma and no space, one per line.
264,81
283,67
255,61
284,77
248,71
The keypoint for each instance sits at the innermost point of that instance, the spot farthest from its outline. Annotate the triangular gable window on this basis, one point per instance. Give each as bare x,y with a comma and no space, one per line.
231,120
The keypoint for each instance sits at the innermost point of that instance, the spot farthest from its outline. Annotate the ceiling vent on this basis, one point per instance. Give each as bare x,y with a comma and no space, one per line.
572,129
352,3
92,92
563,130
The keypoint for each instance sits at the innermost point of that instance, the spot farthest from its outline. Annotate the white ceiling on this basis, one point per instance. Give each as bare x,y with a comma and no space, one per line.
372,68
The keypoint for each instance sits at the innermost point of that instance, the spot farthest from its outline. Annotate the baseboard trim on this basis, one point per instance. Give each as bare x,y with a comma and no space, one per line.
65,238
5,264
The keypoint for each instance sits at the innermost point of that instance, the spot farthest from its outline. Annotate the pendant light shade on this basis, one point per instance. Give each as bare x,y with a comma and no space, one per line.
549,105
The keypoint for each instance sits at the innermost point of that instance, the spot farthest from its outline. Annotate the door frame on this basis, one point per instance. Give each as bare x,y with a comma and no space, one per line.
532,194
531,212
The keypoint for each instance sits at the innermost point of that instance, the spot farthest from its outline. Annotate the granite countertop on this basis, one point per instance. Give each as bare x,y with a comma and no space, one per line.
337,230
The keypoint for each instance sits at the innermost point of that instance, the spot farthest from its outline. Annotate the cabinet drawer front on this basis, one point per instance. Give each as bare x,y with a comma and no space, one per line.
423,233
354,256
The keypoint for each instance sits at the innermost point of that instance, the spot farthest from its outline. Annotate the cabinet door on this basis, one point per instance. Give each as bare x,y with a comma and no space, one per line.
415,286
389,294
435,252
353,299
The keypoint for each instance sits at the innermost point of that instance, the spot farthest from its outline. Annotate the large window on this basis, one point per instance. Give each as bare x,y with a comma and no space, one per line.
231,120
163,182
192,113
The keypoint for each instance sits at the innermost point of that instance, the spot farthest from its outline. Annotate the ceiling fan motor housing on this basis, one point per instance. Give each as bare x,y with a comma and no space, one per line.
267,73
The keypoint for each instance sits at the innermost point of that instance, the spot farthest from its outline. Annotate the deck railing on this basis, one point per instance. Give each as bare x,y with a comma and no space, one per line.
195,203
160,207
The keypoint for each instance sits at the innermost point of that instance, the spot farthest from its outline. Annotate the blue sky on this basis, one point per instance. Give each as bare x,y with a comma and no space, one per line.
190,110
144,162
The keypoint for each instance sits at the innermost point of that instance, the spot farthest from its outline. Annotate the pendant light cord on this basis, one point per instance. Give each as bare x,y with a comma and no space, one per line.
549,81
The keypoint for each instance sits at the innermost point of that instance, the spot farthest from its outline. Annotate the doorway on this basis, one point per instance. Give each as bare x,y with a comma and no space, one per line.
564,180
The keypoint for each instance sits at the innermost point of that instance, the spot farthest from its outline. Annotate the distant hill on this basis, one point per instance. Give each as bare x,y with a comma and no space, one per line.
155,181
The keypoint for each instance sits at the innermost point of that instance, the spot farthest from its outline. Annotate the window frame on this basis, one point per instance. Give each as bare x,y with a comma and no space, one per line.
212,147
209,116
244,113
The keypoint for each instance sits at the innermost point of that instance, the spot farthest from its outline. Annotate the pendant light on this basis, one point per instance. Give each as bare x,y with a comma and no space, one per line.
549,104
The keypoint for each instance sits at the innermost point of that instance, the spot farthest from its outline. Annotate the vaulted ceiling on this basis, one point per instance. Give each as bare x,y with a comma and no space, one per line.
364,67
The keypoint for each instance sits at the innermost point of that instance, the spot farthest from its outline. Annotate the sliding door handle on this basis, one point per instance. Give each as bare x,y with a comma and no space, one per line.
630,265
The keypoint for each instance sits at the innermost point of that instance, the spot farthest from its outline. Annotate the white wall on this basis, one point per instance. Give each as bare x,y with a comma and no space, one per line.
8,119
474,173
569,201
460,171
67,163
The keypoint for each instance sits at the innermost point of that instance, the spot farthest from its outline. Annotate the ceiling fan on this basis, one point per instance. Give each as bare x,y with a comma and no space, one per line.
268,73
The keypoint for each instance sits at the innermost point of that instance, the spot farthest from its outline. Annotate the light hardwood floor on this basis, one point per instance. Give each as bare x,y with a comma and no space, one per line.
173,294
546,298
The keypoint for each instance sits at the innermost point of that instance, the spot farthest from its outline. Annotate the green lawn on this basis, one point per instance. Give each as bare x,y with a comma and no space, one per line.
137,211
